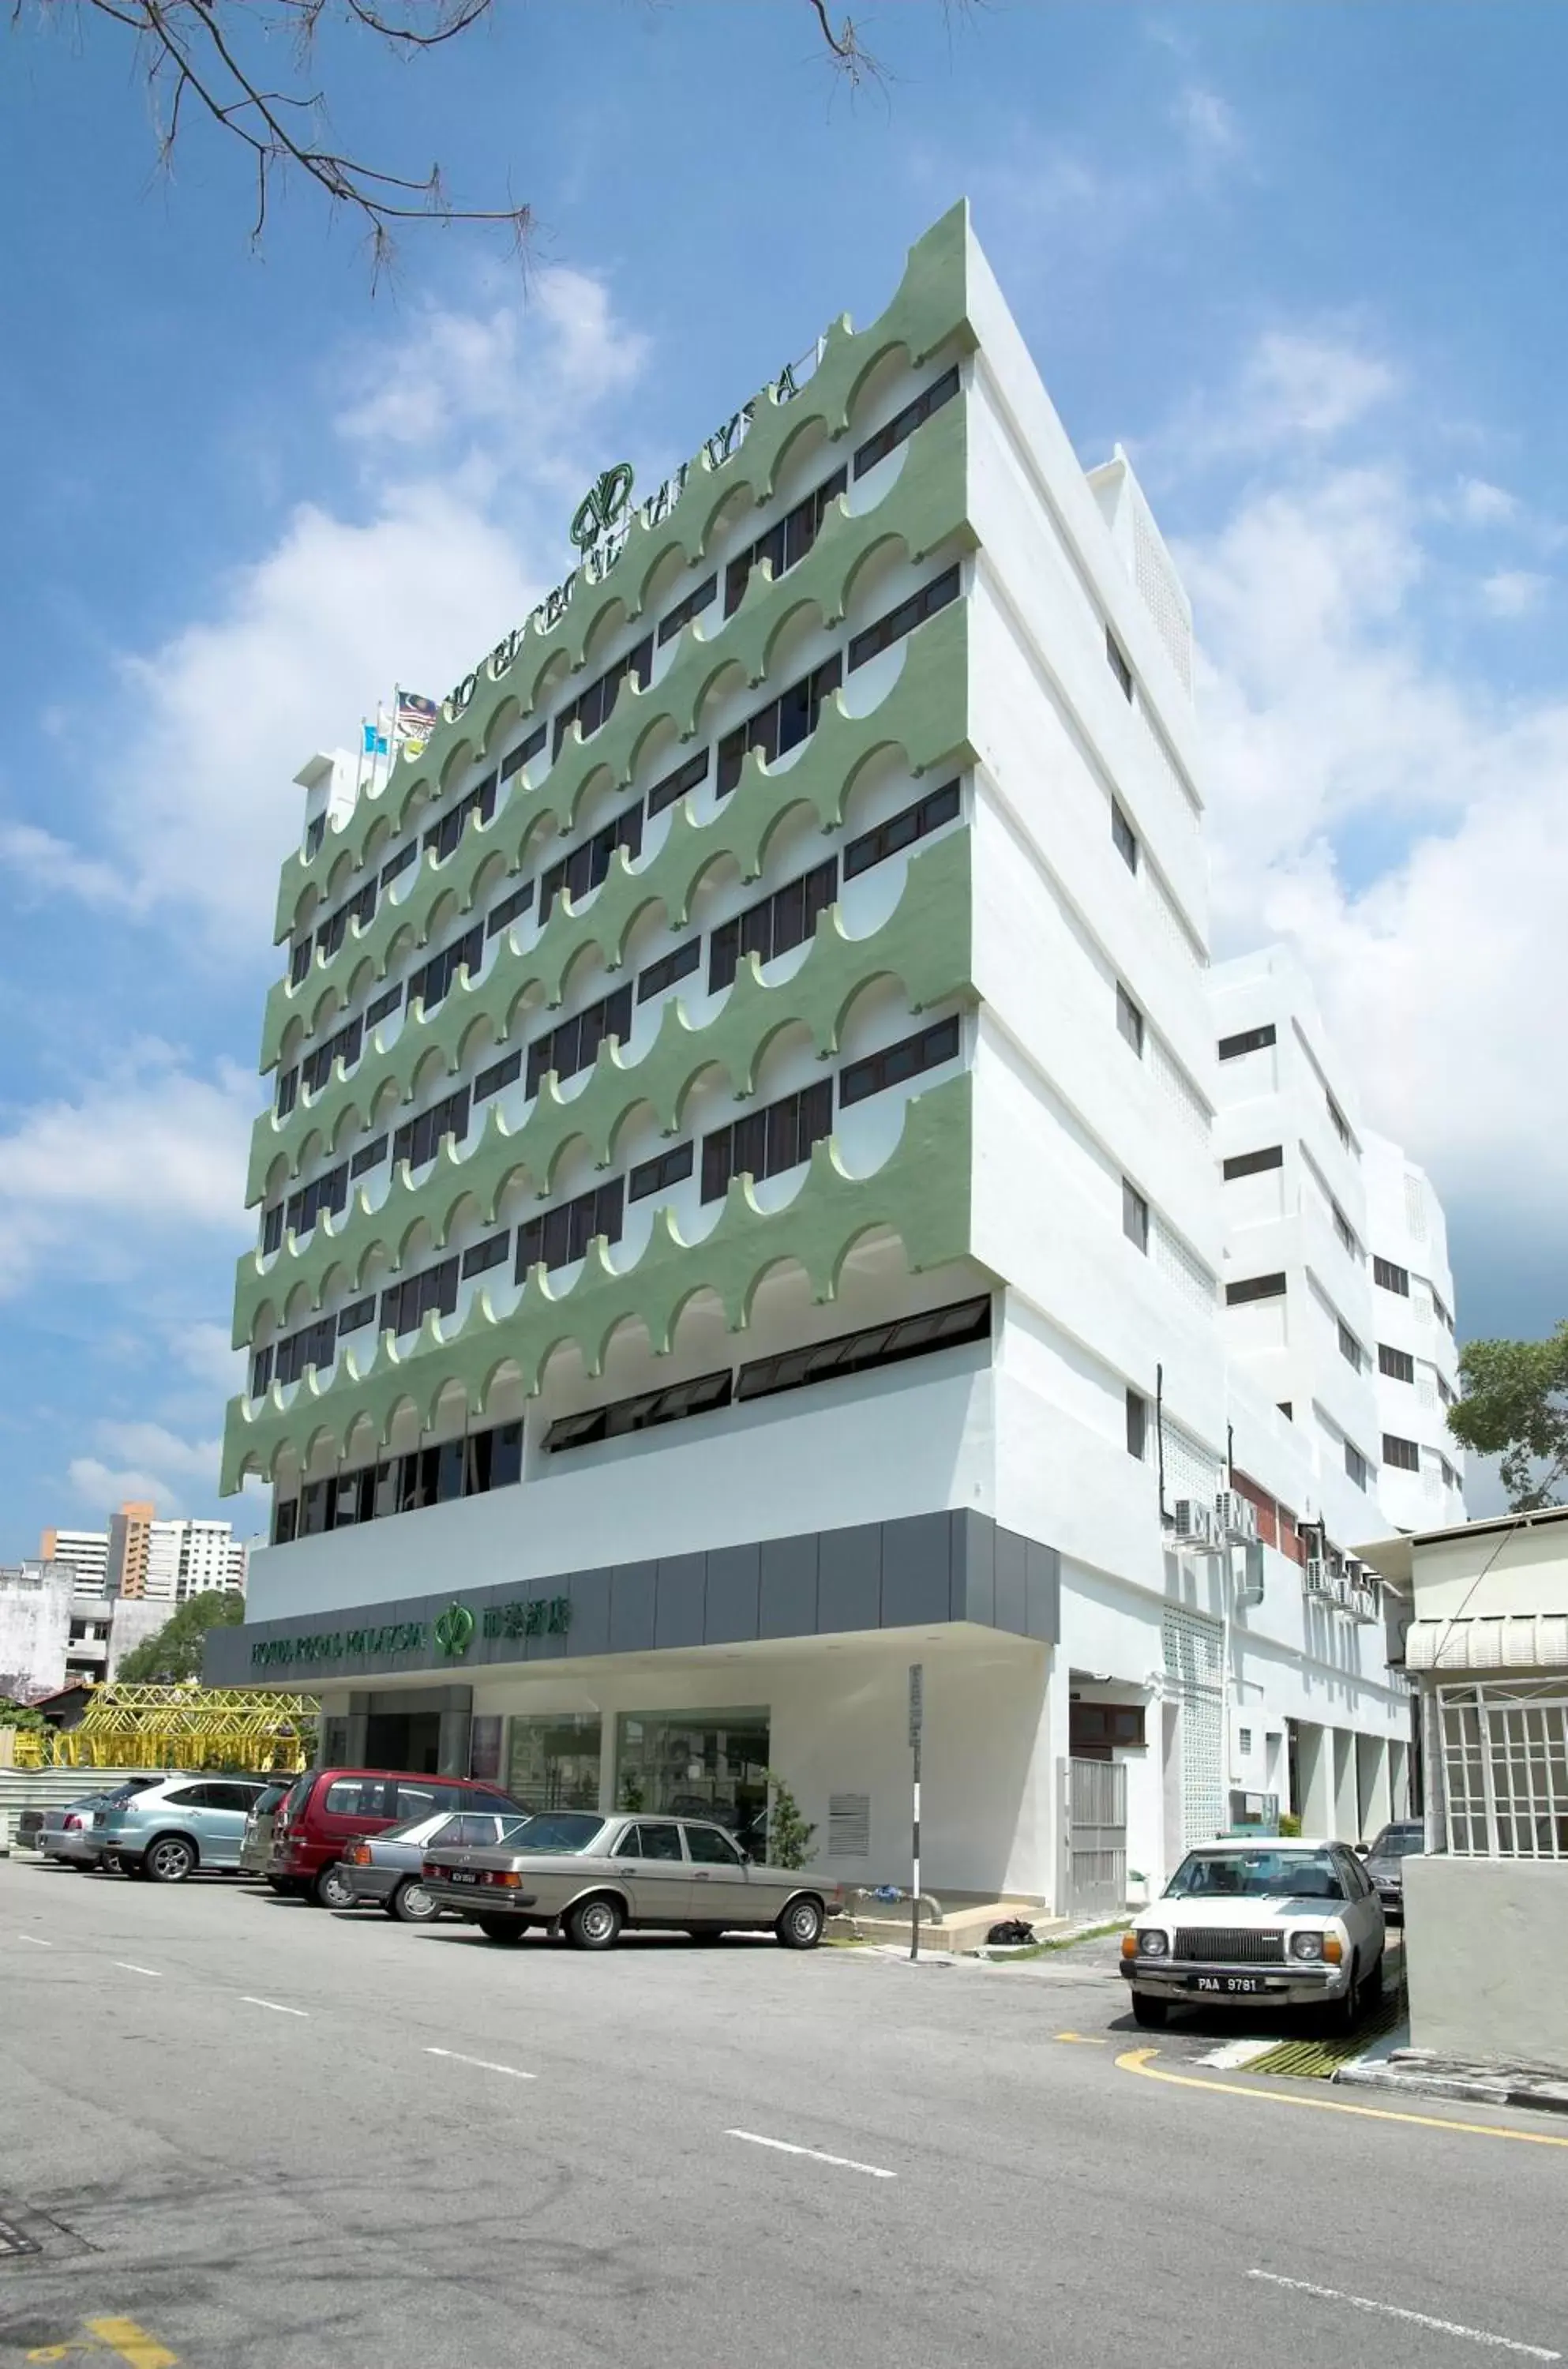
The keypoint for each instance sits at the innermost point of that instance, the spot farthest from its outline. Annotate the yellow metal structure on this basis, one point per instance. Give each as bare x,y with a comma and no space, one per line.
188,1727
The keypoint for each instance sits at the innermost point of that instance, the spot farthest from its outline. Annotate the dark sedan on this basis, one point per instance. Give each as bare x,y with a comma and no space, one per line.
1384,1862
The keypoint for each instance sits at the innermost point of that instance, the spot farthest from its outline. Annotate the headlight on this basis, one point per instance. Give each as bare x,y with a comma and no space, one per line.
1152,1943
1306,1945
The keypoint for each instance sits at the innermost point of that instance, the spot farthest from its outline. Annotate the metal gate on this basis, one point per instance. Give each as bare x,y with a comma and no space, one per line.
1096,1837
1193,1651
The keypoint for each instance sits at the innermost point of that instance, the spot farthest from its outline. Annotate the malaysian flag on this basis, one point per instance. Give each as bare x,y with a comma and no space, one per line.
414,718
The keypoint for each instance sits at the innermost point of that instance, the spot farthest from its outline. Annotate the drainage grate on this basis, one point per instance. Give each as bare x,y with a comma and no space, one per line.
1320,2060
16,2241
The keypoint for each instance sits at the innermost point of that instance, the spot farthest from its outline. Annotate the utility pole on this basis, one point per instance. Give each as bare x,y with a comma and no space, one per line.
917,1721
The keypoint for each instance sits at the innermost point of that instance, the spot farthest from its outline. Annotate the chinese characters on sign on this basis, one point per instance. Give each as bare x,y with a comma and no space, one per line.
540,1617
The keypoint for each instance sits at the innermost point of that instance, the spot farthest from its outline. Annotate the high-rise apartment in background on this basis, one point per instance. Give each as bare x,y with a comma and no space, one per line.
140,1557
130,1537
742,1210
188,1558
85,1554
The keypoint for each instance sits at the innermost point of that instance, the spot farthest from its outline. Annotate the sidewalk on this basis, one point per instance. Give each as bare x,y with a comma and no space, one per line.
1419,2072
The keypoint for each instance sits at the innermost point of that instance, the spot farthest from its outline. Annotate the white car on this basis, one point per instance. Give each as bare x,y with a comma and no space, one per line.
1288,1924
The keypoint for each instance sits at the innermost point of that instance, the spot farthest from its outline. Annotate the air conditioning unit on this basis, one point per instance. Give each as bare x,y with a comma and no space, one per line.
1193,1521
1342,1591
1236,1517
1318,1578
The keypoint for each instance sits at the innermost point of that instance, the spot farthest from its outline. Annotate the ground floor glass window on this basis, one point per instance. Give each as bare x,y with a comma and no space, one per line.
552,1760
698,1764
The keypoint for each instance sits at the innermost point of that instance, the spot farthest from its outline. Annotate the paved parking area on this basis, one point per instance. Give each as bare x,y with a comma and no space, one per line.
239,2131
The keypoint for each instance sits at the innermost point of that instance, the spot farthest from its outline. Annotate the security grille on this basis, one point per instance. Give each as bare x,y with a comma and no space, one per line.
1223,1945
1192,1648
1504,1765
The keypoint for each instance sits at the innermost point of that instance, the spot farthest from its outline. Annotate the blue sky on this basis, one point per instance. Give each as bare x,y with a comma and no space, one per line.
1304,261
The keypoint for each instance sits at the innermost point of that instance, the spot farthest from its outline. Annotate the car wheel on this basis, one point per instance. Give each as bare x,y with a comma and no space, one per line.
1344,2013
412,1905
170,1860
1149,2014
594,1924
332,1889
503,1929
800,1925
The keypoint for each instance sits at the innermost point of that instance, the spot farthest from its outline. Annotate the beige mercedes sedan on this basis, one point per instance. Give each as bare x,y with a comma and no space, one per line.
591,1878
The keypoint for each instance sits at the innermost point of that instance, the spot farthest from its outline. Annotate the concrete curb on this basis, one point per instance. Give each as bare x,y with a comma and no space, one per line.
1539,2089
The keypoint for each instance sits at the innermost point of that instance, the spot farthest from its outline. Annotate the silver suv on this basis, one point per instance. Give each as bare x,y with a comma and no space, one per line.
185,1823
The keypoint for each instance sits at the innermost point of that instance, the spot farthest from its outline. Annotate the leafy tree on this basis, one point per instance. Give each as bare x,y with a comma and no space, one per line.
1515,1406
243,66
16,1714
174,1651
790,1836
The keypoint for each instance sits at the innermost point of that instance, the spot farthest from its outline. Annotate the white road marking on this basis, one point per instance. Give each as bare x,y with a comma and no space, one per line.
453,2056
247,2000
127,1968
34,1940
844,2162
1415,2318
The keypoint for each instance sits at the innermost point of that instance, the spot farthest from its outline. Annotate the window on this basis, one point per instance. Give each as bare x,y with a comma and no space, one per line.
1357,1465
563,1234
272,1228
498,1075
642,1413
486,1255
1253,1163
314,833
1343,1230
1137,1425
1118,664
399,864
859,1352
781,725
383,1005
1135,1217
1255,1286
360,908
768,1142
773,926
288,1089
1397,1363
1391,1278
657,1175
1286,1410
675,786
260,1372
1093,1728
357,1315
434,981
508,911
684,610
525,753
1350,1349
421,1138
902,621
650,1841
595,704
1445,1390
587,866
901,831
1402,1454
709,1848
1244,1742
902,426
1450,1478
1129,1020
315,1346
573,1044
370,1156
329,1193
405,1307
926,1050
784,545
1341,1124
316,1068
1443,1315
668,969
299,961
1250,1040
1124,838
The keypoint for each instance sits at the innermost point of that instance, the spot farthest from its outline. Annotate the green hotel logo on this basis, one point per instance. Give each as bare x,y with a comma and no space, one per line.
455,1629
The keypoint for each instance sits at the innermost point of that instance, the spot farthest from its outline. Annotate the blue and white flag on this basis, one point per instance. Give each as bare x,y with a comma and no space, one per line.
376,740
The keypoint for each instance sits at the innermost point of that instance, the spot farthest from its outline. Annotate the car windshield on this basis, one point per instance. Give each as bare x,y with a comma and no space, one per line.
1256,1875
269,1797
1398,1842
553,1830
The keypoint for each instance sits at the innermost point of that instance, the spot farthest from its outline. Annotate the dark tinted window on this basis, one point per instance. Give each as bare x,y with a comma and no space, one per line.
655,1842
710,1848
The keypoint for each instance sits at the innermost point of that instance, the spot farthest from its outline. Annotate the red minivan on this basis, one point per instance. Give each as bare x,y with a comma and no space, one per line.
327,1809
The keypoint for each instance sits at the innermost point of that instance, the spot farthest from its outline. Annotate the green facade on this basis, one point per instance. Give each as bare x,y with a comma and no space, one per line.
922,1191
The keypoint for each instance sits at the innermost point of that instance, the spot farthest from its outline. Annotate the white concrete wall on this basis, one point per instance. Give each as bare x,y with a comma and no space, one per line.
1485,1943
1407,1228
35,1625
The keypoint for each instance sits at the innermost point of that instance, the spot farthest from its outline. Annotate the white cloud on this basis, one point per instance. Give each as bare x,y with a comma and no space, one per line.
475,425
1479,503
145,1460
140,1158
1207,123
1514,591
1295,391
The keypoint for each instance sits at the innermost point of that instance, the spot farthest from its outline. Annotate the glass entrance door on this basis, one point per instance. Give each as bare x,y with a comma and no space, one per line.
698,1764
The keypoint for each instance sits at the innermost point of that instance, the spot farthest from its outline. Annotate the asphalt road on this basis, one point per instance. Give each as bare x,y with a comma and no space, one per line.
239,2131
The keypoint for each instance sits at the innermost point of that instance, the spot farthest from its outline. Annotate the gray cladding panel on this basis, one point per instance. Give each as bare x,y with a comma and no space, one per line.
633,1591
849,1579
1012,1563
679,1603
1044,1592
788,1606
917,1570
734,1578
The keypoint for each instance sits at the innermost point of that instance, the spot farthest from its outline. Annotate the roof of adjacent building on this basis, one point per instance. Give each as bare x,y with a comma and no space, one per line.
1395,1557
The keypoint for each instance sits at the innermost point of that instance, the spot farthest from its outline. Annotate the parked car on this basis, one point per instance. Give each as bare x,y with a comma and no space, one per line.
171,1829
256,1849
1288,1924
66,1833
1384,1862
328,1809
589,1877
385,1870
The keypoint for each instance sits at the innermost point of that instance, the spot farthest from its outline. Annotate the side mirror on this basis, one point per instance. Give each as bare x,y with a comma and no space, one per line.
1363,1851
